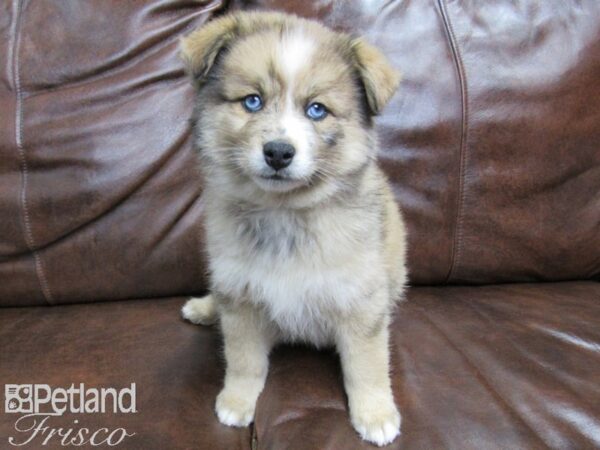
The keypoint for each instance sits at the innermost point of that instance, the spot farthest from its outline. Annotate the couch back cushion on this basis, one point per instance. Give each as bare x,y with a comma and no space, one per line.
492,142
99,193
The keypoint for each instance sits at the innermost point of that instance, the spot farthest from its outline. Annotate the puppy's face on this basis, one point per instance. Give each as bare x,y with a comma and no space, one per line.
284,104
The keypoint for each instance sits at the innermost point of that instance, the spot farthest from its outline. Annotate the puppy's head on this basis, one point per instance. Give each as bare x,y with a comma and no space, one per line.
284,105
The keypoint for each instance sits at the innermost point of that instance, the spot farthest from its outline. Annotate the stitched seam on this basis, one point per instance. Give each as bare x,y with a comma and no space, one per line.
23,160
253,438
458,223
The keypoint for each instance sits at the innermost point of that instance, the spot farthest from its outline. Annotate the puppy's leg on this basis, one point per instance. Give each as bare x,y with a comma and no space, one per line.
365,362
200,310
248,341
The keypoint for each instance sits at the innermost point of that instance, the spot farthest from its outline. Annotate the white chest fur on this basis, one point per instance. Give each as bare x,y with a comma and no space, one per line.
302,268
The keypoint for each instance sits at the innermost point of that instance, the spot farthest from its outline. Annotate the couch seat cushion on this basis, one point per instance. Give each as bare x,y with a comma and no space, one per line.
490,367
177,368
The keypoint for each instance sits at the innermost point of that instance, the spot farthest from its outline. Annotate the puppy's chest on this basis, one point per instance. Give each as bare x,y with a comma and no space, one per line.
275,235
295,264
291,243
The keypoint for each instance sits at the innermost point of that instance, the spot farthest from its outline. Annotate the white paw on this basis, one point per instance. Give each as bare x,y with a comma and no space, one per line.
233,410
200,311
378,425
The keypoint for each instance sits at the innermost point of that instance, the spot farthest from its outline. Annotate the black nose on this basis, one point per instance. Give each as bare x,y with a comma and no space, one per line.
278,154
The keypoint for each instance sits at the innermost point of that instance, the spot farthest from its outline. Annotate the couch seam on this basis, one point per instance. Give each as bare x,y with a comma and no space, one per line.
27,230
253,437
458,222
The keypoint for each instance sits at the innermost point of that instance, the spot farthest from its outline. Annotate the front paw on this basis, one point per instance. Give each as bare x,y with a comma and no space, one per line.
376,423
234,410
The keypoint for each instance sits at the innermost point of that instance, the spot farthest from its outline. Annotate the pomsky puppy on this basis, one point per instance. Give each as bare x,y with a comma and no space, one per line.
304,238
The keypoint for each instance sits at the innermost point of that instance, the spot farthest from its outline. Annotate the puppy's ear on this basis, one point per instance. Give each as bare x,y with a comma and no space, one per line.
199,49
379,78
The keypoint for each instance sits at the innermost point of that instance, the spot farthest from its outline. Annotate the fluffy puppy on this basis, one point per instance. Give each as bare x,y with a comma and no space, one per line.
305,241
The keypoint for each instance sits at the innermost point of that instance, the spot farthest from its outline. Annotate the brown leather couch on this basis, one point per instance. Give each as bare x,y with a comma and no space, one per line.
493,148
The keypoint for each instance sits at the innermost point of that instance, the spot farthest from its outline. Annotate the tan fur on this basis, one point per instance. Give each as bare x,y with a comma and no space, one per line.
381,80
318,255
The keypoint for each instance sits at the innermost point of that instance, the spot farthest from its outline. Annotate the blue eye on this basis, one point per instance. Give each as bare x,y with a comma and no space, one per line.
253,103
316,111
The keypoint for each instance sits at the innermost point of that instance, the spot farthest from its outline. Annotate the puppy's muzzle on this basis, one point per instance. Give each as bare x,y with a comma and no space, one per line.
278,154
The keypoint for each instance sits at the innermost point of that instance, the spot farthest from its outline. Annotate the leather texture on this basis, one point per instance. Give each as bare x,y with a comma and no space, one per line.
493,148
100,194
177,368
512,366
491,142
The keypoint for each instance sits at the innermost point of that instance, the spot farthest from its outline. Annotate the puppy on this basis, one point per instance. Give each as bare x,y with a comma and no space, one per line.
304,239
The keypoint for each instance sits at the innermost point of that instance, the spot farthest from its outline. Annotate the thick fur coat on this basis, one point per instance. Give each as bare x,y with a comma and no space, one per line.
309,247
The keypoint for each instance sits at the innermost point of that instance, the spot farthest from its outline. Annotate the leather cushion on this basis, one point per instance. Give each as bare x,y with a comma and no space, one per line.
177,368
491,143
102,197
473,368
493,367
493,140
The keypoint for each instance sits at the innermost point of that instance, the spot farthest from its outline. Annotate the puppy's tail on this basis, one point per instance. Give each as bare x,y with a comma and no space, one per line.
200,310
